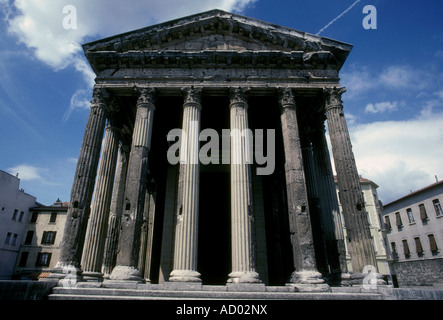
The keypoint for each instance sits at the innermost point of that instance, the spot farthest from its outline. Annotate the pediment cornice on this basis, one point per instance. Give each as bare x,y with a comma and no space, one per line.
232,36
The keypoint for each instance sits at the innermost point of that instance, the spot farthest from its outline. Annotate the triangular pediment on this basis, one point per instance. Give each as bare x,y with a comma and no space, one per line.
217,31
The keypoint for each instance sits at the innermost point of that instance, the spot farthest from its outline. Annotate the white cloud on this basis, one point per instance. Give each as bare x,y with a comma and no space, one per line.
48,181
399,155
39,25
394,77
381,107
27,172
79,100
397,76
357,81
350,118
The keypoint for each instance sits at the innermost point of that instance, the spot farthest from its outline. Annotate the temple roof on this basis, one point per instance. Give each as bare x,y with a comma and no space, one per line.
217,37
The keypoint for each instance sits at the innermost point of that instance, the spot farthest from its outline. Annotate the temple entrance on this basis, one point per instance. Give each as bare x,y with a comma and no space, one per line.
214,240
214,243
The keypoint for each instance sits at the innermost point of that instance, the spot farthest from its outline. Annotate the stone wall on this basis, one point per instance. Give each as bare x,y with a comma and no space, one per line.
26,290
419,272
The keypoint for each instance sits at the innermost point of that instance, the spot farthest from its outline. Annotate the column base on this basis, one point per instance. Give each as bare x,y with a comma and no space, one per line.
91,276
308,281
67,275
367,280
125,273
184,276
244,277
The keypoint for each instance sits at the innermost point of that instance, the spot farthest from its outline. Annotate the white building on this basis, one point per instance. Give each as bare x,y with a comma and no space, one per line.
414,226
373,207
14,214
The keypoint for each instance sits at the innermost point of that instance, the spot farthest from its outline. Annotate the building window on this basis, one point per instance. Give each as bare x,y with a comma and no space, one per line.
437,207
14,216
20,218
14,240
423,215
34,217
53,217
23,259
388,223
418,245
48,237
394,251
432,243
43,259
398,220
8,237
406,250
29,237
410,215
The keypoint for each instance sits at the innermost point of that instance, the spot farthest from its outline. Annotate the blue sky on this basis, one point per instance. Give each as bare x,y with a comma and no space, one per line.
394,77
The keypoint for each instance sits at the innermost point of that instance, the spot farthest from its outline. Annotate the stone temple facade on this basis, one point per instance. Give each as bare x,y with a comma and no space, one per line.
135,216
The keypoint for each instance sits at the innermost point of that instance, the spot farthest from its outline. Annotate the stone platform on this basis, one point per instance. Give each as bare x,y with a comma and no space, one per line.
192,291
49,290
114,291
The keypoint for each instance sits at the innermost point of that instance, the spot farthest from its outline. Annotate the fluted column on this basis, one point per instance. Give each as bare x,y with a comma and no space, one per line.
147,233
83,186
306,272
135,191
111,244
186,232
350,193
98,222
315,212
242,211
330,215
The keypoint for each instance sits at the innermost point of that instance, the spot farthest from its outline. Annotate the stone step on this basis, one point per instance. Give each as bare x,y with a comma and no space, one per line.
61,293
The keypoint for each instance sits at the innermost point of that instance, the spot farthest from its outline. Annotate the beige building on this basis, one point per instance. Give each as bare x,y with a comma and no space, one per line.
40,246
374,209
414,226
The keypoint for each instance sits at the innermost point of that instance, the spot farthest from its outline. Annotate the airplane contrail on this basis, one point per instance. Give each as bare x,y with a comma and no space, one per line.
338,17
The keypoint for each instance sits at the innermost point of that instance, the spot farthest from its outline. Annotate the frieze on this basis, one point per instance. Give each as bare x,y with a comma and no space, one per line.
265,59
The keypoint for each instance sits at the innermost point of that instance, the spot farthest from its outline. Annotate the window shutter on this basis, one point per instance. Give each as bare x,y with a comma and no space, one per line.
423,214
44,237
48,261
406,248
418,245
37,262
432,243
437,207
388,222
398,219
53,237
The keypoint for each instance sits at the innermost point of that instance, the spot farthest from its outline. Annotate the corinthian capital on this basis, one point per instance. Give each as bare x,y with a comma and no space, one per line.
333,97
239,96
192,96
286,98
145,96
99,96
